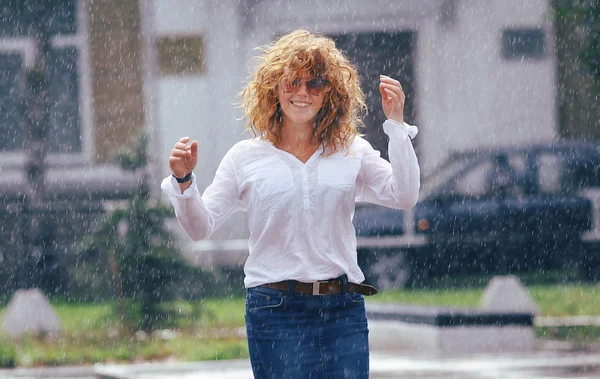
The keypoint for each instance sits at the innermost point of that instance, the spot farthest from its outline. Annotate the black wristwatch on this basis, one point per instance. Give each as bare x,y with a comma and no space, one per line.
186,178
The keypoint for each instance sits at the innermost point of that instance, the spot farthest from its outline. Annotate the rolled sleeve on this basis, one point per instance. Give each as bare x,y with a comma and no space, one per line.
396,183
171,188
201,215
395,129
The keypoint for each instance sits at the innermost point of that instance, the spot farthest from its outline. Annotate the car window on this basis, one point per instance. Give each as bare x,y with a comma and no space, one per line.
474,182
499,175
518,163
550,171
584,173
441,175
562,173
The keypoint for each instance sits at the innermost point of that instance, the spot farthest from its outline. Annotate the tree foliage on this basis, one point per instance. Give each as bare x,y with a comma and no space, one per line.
133,244
587,12
577,32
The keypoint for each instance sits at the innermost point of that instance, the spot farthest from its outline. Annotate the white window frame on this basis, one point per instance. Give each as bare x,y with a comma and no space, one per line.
27,47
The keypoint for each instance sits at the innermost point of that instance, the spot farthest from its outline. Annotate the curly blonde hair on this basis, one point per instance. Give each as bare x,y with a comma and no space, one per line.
288,57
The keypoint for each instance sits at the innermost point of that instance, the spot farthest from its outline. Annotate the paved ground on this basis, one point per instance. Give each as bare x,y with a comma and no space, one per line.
550,360
540,365
391,365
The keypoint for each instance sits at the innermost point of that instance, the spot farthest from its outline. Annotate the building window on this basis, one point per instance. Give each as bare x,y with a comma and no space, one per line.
16,28
12,107
523,43
65,126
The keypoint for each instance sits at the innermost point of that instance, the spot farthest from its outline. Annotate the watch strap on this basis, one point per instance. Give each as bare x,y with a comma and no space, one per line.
186,178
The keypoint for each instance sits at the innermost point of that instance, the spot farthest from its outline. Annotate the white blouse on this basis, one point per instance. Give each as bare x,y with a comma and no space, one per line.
300,214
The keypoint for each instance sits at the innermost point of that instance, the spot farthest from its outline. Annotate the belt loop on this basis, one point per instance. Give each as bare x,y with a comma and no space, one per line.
344,279
291,287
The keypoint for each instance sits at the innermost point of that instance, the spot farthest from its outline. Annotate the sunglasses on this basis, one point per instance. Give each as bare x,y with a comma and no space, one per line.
313,86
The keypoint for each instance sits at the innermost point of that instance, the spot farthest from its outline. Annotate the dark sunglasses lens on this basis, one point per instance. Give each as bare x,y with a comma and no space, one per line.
315,86
290,86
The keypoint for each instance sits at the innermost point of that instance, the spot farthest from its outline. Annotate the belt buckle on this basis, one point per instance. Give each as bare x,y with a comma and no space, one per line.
316,288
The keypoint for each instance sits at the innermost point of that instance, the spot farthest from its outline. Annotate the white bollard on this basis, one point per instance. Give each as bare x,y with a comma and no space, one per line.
29,312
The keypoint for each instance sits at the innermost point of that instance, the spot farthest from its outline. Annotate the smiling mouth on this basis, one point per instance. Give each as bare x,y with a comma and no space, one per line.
300,104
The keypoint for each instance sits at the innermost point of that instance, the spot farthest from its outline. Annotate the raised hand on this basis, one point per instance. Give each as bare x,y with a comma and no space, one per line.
392,98
183,158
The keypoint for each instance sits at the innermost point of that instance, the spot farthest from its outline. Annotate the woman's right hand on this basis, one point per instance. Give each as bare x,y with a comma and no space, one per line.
183,158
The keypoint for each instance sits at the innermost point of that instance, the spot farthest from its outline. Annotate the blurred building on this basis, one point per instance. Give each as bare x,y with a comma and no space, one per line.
476,73
95,70
85,61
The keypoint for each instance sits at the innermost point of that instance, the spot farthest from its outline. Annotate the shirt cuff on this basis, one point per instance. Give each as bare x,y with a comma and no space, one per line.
392,127
170,186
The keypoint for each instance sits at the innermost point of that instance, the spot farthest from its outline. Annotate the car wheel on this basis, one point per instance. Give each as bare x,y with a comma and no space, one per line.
391,271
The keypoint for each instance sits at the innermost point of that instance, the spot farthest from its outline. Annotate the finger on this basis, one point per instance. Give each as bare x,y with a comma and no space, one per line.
384,79
194,149
387,79
384,86
178,153
382,91
397,90
395,87
184,139
392,95
181,146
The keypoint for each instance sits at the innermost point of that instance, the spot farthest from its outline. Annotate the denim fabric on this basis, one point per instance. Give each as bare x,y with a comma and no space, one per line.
304,336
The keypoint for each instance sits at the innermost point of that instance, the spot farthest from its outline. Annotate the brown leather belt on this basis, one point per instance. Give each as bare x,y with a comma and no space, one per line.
328,287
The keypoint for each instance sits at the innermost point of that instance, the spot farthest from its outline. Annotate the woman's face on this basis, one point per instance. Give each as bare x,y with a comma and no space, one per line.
301,99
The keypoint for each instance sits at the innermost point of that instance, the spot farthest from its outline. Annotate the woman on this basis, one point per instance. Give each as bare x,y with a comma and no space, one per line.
298,180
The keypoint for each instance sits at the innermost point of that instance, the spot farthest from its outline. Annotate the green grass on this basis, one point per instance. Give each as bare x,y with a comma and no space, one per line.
579,335
557,300
569,300
553,299
229,312
86,316
448,298
210,329
89,348
92,333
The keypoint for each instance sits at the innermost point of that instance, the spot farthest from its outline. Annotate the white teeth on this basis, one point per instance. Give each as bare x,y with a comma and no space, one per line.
299,104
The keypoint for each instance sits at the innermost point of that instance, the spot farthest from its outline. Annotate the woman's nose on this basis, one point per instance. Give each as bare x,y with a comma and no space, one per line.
302,90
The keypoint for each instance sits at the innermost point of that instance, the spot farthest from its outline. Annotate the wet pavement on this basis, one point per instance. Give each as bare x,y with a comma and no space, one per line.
391,365
384,365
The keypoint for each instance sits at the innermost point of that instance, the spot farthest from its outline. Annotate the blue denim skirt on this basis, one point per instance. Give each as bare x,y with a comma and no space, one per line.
293,335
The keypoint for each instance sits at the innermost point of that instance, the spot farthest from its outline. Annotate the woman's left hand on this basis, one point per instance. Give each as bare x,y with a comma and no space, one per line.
392,98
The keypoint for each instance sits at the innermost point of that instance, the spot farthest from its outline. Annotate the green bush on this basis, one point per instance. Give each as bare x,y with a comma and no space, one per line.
145,270
8,354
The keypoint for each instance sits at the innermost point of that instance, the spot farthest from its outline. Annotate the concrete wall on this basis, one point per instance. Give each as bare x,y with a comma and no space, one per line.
201,105
470,95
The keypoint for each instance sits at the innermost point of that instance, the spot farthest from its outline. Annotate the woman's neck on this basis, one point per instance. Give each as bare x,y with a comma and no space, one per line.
297,140
297,136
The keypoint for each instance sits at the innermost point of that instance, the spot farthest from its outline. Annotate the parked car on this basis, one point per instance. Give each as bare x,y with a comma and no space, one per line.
496,211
